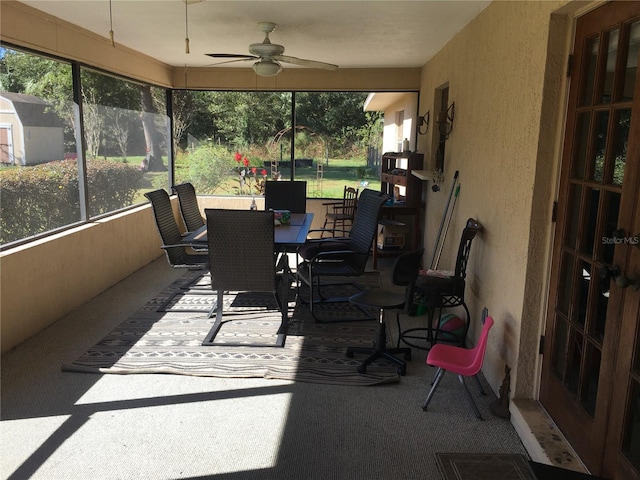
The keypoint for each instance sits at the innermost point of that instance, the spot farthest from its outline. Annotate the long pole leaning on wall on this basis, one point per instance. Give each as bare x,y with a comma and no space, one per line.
439,243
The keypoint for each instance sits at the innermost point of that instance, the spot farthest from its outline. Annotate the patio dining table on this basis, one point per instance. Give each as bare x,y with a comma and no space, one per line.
291,235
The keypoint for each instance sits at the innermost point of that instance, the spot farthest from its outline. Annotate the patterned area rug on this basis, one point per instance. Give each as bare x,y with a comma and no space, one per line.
482,466
165,336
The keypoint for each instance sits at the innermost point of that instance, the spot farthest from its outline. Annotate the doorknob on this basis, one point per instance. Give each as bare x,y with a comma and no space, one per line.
618,233
632,280
607,272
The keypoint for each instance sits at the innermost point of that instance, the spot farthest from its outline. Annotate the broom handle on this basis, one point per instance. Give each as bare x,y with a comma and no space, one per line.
446,230
444,217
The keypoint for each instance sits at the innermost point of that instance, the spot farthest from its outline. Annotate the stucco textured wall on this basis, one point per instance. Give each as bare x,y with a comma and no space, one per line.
495,69
43,280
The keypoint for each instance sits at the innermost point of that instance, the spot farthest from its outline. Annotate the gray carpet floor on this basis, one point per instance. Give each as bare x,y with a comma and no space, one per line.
66,425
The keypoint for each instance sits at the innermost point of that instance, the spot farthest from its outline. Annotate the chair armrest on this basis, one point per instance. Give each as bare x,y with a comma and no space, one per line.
333,238
194,245
334,256
341,207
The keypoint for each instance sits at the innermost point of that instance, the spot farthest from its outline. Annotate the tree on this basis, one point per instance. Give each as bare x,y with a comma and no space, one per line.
119,123
151,135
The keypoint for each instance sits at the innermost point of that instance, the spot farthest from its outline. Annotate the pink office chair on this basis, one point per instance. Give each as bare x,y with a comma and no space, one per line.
461,361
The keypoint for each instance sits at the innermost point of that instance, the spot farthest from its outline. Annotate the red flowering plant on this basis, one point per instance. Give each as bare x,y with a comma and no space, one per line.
249,182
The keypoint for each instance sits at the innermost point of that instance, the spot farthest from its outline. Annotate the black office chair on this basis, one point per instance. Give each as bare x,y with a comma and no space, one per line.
348,259
439,291
189,206
404,274
286,195
242,259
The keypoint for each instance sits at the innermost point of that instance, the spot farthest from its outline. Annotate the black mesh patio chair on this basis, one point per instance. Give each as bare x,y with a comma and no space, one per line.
175,248
404,274
242,258
349,259
286,195
335,239
189,206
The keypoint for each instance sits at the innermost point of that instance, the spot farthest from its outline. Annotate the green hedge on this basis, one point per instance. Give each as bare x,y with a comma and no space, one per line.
44,197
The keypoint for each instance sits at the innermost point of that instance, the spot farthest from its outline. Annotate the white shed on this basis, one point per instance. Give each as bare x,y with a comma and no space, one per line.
31,132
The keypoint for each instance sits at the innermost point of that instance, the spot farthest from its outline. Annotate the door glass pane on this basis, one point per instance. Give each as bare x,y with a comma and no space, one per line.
609,74
558,359
620,138
631,445
564,287
589,222
599,145
583,283
632,62
573,215
574,361
612,200
591,61
590,384
580,146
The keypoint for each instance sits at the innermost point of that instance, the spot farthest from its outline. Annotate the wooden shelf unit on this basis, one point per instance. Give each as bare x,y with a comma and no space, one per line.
396,170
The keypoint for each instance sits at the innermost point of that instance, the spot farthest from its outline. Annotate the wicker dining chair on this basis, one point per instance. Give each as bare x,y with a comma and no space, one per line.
286,195
175,248
189,206
242,258
349,260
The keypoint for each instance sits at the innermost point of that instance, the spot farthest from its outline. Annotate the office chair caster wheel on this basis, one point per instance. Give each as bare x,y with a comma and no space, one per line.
362,369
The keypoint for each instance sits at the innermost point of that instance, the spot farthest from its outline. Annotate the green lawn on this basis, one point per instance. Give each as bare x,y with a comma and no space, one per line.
337,174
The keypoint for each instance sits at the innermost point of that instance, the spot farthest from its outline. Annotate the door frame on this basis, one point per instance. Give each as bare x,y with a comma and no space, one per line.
551,281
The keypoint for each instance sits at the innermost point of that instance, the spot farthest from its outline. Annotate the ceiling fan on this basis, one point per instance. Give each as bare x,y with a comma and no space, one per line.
269,55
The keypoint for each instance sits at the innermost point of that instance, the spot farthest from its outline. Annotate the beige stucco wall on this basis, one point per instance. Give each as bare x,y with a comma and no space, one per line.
43,280
344,79
506,75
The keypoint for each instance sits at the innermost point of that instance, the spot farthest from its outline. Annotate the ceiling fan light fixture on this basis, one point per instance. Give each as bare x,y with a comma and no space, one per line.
267,68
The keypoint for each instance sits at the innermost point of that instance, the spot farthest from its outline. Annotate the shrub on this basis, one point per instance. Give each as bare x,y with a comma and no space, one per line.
44,197
209,167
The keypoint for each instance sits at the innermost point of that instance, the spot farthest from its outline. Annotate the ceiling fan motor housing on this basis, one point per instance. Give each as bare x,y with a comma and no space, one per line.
265,49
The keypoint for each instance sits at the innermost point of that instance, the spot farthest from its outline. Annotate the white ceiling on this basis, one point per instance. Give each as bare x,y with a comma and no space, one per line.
351,34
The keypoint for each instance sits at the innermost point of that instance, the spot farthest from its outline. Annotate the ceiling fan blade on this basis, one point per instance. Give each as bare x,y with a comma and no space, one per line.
304,63
231,55
231,61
